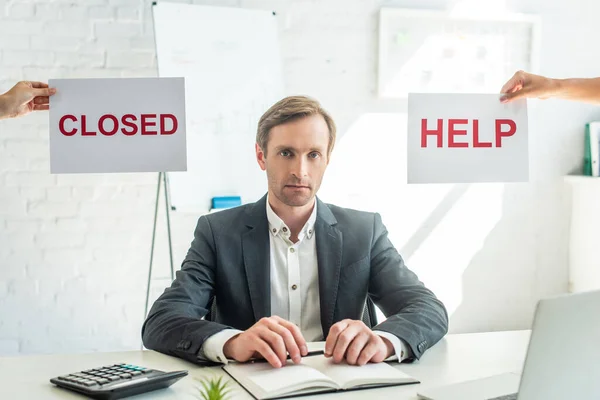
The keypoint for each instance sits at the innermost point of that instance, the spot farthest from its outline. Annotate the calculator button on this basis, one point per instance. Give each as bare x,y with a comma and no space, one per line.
125,375
136,373
103,381
89,383
113,378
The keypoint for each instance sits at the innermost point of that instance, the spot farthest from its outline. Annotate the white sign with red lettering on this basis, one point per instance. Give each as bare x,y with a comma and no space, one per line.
465,138
117,125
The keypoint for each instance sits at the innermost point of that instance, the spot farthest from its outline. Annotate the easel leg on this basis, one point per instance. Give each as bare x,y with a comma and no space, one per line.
167,210
162,180
152,246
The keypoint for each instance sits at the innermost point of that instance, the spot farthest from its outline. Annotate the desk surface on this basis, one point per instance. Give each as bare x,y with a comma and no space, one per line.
455,358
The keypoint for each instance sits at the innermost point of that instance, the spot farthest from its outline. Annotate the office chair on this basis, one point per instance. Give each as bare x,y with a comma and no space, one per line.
369,316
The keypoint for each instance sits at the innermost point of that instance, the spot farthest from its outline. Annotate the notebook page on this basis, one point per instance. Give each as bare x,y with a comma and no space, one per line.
274,380
343,373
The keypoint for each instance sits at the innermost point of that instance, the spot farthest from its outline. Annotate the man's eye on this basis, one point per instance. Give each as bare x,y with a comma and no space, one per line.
314,155
285,153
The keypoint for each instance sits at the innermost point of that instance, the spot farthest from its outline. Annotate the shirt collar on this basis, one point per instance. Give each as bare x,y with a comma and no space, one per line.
277,226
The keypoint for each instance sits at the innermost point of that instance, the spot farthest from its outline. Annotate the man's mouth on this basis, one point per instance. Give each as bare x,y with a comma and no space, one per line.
298,186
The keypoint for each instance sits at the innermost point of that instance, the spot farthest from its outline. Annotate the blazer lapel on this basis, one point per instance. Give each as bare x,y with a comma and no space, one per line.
329,259
255,250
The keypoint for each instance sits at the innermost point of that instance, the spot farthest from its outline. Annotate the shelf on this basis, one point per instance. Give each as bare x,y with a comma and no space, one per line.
582,179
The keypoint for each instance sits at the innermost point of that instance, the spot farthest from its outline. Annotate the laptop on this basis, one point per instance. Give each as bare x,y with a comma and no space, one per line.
562,362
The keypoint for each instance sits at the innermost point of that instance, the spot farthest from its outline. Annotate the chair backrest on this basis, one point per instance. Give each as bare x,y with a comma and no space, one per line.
212,312
369,316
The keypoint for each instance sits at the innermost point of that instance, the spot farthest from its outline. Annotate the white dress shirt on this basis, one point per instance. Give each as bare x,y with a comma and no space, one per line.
294,287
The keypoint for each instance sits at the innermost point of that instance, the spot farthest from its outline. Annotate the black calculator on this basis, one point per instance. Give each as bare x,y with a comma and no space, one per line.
117,381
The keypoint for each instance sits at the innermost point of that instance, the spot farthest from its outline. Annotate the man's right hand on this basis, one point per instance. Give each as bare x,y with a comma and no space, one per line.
271,338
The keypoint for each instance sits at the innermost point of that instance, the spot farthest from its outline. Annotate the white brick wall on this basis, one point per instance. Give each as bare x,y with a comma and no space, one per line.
74,249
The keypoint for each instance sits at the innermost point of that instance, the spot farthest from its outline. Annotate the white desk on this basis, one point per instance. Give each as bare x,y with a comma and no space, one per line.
455,358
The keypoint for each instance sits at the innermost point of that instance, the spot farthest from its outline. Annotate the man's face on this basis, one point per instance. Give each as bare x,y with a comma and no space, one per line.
296,159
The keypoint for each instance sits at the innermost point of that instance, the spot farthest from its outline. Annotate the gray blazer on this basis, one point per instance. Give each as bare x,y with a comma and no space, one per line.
228,263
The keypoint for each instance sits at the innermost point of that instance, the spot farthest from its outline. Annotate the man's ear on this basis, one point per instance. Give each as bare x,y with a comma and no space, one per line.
260,157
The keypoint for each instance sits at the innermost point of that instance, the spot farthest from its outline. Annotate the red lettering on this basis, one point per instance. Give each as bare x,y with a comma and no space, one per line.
173,119
115,124
453,132
146,124
476,142
61,125
130,124
438,132
499,134
84,131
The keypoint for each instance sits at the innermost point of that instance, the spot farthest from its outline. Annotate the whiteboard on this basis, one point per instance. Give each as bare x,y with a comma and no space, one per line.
231,63
425,51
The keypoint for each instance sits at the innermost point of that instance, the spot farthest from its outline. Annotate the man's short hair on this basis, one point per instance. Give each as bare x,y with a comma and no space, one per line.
291,109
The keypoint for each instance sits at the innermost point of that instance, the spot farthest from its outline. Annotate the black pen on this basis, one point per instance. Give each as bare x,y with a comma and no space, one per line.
309,354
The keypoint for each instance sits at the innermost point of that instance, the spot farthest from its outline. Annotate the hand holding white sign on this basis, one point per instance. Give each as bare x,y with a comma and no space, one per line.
118,125
458,138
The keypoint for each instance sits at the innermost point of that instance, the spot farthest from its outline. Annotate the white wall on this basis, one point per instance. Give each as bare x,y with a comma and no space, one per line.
74,249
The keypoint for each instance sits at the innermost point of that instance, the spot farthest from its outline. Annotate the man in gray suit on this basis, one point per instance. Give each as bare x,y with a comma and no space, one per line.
262,279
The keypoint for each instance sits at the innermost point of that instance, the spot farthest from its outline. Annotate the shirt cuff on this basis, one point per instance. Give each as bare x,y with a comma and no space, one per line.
212,348
400,346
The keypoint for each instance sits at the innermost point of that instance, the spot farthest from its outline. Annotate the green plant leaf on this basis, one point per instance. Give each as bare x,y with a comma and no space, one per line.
214,388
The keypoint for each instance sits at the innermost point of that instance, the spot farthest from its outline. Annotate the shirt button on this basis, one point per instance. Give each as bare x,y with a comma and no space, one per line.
294,287
274,230
310,231
284,229
292,250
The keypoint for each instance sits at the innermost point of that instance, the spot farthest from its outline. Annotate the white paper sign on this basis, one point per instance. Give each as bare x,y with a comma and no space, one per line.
464,138
118,125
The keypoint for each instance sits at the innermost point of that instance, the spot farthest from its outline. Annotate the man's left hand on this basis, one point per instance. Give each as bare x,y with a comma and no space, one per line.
356,343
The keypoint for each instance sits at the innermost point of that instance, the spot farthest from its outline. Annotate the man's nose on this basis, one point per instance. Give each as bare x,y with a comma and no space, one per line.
300,169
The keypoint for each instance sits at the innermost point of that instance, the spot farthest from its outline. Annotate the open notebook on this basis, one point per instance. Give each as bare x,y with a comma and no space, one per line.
314,375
